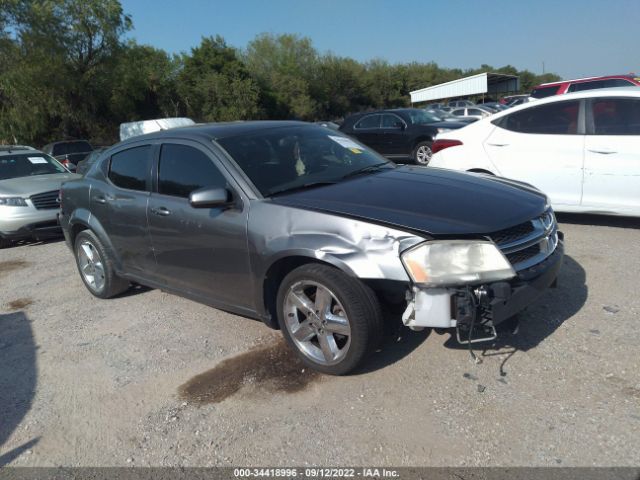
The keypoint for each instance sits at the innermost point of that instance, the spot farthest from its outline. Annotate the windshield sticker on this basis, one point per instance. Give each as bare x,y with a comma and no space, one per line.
347,143
37,160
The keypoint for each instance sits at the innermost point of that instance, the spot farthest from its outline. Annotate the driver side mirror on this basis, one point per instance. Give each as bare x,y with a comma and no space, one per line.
210,197
399,125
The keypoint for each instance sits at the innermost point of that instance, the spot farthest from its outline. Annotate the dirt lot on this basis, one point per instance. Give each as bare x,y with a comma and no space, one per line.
153,379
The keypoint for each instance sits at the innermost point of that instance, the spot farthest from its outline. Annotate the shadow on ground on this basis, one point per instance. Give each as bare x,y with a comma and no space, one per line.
18,377
598,220
540,320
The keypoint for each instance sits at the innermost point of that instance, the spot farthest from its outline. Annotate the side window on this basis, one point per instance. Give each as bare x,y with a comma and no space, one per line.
618,82
391,121
459,112
556,118
474,111
183,169
130,168
370,121
579,87
616,116
543,92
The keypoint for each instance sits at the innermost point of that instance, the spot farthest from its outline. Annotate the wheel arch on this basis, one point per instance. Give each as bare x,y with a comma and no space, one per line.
280,268
420,139
82,219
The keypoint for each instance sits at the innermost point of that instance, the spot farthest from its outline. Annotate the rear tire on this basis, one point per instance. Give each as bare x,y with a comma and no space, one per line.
422,153
331,320
96,267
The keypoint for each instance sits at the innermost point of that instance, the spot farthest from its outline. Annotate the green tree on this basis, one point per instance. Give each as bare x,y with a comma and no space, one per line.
215,85
285,67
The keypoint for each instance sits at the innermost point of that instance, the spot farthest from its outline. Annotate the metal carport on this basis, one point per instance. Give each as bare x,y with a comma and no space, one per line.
489,83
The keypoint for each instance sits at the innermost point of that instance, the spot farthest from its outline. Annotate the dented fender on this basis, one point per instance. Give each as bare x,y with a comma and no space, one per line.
360,249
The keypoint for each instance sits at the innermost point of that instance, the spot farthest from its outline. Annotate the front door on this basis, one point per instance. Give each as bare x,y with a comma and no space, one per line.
201,251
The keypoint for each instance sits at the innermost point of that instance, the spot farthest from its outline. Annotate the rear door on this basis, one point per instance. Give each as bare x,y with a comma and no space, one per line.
542,145
120,204
368,130
396,138
612,155
201,251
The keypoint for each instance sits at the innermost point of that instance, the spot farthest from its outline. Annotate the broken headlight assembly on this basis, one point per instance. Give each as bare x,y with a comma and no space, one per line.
456,262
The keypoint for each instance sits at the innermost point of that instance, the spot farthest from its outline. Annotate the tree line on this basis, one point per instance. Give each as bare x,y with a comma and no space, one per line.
68,70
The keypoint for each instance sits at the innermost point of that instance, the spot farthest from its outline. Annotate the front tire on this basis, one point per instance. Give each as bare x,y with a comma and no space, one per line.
333,321
96,267
422,153
5,243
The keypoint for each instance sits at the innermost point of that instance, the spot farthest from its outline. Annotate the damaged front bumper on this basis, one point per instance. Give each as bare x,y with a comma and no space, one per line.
487,305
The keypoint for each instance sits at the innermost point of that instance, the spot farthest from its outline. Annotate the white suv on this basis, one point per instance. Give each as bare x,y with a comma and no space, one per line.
582,149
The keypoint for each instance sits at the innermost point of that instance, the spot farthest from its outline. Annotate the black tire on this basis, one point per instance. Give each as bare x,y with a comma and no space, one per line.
361,307
113,285
418,153
5,243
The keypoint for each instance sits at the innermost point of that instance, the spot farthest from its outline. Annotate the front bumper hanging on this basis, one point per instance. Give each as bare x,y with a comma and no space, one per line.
491,303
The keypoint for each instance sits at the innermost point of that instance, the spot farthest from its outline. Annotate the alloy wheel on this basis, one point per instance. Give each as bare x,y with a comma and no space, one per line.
423,155
91,266
317,322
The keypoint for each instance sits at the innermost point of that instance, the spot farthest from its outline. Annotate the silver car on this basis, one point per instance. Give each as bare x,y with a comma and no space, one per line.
29,185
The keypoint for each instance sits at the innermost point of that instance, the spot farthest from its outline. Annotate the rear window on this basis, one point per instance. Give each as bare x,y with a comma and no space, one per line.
542,92
370,121
27,165
616,116
71,147
130,168
553,119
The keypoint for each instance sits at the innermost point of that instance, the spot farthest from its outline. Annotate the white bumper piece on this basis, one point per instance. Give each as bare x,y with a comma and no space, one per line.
429,307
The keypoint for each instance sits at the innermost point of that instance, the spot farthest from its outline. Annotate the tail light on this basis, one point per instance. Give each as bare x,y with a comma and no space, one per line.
444,143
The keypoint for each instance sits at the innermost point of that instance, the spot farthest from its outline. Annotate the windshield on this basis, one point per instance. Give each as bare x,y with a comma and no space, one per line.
282,159
28,164
419,117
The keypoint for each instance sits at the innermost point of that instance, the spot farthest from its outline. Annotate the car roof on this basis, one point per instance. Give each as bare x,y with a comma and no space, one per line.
586,79
216,131
595,93
11,149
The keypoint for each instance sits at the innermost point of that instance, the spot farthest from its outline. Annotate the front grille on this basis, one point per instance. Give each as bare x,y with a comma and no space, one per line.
528,243
46,200
523,255
512,234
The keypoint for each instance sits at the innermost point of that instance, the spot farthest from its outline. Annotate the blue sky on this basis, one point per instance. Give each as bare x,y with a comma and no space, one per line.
573,38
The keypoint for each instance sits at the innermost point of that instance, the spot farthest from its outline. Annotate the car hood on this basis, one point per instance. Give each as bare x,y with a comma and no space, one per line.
27,186
429,200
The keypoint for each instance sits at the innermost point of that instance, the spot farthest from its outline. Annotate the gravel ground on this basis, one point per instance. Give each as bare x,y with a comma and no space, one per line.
153,379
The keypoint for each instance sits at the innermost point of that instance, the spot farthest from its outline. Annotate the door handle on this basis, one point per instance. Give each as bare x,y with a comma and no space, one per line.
498,144
100,200
602,151
161,211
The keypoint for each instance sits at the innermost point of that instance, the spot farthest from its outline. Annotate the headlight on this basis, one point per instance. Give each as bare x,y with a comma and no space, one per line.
456,261
13,201
443,130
